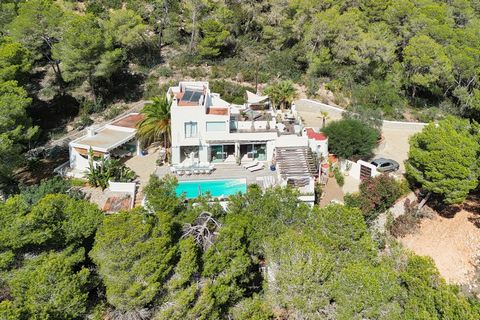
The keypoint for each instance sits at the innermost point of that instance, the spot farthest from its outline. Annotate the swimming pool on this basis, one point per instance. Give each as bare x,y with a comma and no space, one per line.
216,188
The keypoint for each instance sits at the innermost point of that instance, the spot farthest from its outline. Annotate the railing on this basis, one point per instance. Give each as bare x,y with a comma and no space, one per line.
252,130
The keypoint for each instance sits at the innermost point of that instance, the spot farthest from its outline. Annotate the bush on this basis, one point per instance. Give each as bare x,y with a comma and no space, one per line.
164,72
230,91
351,138
32,194
76,182
318,192
376,195
114,111
382,95
84,121
152,87
339,177
99,175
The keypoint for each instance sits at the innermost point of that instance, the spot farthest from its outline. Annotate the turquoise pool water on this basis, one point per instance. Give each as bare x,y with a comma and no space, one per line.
216,188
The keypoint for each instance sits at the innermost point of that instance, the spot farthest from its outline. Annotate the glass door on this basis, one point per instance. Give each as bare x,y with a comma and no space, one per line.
217,153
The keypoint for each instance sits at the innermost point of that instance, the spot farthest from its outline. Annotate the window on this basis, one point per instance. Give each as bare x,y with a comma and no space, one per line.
215,126
190,129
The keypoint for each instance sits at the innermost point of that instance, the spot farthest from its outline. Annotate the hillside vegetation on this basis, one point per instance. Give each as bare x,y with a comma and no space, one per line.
266,257
64,59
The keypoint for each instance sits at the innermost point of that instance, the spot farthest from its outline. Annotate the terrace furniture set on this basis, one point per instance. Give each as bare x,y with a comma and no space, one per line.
199,168
254,166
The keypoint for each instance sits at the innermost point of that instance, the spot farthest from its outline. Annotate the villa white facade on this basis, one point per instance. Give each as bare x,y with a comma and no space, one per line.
210,129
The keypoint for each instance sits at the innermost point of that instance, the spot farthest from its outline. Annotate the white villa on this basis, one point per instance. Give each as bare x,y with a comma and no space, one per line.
116,139
254,142
208,131
213,130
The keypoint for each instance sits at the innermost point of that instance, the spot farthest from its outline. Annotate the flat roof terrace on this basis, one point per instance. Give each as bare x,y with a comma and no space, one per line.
129,121
104,140
110,136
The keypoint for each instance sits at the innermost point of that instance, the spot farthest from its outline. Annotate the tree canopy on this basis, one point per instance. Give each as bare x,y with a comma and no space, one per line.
444,158
351,138
266,252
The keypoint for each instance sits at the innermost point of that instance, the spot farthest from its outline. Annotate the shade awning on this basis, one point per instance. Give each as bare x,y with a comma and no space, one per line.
255,98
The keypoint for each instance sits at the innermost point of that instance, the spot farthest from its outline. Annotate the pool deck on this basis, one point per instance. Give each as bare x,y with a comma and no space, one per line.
224,171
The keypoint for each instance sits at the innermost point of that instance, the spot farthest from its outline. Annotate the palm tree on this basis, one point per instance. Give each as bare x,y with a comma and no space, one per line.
324,118
282,93
156,124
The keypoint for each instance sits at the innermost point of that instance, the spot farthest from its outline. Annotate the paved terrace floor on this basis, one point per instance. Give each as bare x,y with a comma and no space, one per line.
224,171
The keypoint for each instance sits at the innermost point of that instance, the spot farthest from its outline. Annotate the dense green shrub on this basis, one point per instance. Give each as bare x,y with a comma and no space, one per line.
32,194
98,175
339,177
382,95
351,138
376,195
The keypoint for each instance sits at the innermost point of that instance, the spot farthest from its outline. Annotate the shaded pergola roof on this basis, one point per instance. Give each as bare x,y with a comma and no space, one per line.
295,162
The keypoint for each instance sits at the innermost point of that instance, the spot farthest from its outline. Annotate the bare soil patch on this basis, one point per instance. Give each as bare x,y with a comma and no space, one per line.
453,242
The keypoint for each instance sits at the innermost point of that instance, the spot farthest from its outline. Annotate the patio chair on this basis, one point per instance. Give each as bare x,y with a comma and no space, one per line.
251,164
209,169
256,168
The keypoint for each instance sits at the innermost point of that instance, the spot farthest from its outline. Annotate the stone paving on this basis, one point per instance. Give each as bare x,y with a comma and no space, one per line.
331,191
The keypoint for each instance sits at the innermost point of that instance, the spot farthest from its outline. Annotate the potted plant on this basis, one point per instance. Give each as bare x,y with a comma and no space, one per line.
331,174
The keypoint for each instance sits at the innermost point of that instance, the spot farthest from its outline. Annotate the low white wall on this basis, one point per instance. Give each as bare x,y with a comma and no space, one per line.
126,187
319,147
259,125
355,168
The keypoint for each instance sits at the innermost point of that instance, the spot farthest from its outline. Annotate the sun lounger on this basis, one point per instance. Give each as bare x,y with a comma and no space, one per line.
173,170
256,168
180,172
196,171
251,164
188,172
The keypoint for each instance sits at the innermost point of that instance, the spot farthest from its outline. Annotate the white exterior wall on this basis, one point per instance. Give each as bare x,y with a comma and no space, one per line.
320,147
79,164
270,150
355,169
185,114
259,125
126,187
